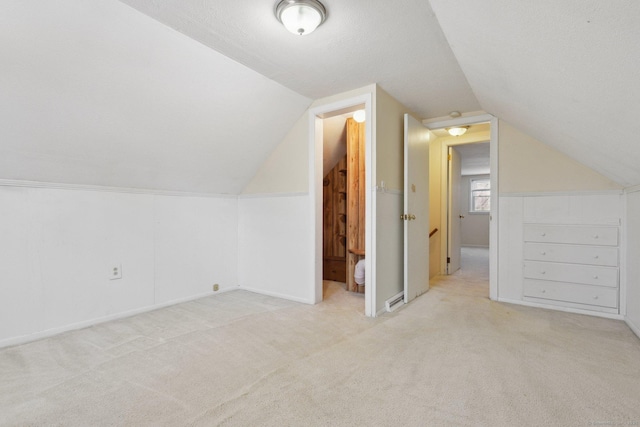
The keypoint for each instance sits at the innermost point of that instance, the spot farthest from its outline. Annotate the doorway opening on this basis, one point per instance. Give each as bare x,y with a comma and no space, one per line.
344,201
468,181
468,201
352,250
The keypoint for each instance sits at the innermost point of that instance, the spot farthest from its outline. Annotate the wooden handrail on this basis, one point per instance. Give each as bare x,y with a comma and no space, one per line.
434,231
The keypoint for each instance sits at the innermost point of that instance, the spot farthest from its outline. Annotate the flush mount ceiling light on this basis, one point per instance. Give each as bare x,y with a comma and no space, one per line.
457,130
359,116
300,16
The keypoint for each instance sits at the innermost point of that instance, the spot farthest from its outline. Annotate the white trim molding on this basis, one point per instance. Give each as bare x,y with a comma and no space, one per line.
128,190
87,323
316,114
276,295
565,193
633,189
459,121
561,308
635,328
271,195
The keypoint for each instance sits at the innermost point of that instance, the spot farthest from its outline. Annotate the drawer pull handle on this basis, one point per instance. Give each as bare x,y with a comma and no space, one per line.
543,253
543,291
596,297
595,236
543,234
596,257
543,272
595,277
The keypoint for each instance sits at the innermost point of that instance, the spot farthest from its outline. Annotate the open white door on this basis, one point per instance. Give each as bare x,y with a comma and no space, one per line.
454,215
416,208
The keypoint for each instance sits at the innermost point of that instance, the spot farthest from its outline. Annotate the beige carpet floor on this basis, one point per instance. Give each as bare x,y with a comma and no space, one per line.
450,358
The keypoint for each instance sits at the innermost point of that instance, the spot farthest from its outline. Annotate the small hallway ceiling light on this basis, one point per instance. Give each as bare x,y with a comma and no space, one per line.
359,116
457,130
300,16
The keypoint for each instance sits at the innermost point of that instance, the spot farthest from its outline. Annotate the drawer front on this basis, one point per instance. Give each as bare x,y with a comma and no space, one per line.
577,254
575,273
571,234
571,292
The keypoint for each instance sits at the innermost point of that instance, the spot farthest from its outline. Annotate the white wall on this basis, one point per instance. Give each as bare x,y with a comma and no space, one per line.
286,169
98,93
475,226
528,165
389,246
273,246
276,210
58,247
632,238
334,147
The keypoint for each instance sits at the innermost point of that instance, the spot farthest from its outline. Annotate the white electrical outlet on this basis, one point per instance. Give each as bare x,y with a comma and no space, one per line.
115,272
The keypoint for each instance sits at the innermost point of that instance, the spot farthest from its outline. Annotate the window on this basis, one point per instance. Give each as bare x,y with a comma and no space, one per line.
480,189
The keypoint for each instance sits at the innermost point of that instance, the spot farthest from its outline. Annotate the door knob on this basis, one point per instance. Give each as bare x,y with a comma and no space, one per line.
411,216
461,216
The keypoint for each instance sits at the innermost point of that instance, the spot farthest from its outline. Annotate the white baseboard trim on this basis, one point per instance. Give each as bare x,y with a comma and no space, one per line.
635,328
560,308
276,295
475,246
23,339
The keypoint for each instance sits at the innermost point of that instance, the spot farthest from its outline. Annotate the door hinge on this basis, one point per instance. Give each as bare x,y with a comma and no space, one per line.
448,260
449,157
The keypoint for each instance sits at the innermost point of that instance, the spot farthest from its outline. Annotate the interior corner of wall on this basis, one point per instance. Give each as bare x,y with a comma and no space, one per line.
285,170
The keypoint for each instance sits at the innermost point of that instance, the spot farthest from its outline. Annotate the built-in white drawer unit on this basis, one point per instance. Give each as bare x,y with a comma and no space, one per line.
571,292
577,254
571,234
578,273
572,265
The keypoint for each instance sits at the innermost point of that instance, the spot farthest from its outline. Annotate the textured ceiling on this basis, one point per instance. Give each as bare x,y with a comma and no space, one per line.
564,72
98,93
397,45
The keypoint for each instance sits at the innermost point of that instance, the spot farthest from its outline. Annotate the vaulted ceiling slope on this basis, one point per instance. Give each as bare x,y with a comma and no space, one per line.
99,93
94,92
397,45
565,72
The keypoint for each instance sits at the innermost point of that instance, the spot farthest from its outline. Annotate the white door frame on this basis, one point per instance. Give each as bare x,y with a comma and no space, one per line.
316,116
493,223
446,208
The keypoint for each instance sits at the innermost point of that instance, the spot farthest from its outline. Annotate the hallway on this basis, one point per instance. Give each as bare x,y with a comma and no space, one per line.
473,277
